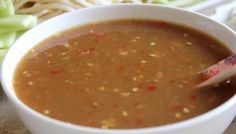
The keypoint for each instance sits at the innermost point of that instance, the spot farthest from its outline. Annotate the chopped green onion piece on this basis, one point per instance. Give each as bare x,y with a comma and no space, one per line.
7,39
8,9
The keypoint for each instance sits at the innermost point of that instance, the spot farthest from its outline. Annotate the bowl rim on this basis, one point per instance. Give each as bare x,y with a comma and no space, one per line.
189,122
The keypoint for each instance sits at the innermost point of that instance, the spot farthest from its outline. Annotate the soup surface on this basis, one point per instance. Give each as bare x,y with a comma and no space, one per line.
122,74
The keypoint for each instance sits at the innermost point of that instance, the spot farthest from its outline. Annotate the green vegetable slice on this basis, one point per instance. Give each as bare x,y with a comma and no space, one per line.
18,21
10,29
8,9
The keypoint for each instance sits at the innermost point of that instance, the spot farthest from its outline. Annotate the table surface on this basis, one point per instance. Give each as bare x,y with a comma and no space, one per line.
11,124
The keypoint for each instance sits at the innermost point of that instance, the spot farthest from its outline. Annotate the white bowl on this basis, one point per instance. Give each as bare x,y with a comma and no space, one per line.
213,122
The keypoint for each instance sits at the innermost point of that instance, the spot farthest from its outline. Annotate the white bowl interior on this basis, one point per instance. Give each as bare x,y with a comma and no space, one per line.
86,16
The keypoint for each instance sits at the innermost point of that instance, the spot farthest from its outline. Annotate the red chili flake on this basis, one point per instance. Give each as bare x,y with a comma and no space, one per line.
193,97
151,88
138,121
94,107
91,49
56,71
120,68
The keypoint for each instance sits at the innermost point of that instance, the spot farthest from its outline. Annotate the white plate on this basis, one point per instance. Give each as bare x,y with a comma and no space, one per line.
222,13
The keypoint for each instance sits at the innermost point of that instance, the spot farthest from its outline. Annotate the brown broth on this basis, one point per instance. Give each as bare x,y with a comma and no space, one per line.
122,74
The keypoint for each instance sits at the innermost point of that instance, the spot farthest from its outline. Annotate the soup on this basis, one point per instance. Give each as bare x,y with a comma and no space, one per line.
122,74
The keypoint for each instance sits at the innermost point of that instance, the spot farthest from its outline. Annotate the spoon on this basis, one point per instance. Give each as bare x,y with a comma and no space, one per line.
219,71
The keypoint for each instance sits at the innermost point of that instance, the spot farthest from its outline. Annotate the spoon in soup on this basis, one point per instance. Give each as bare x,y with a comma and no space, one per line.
219,71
